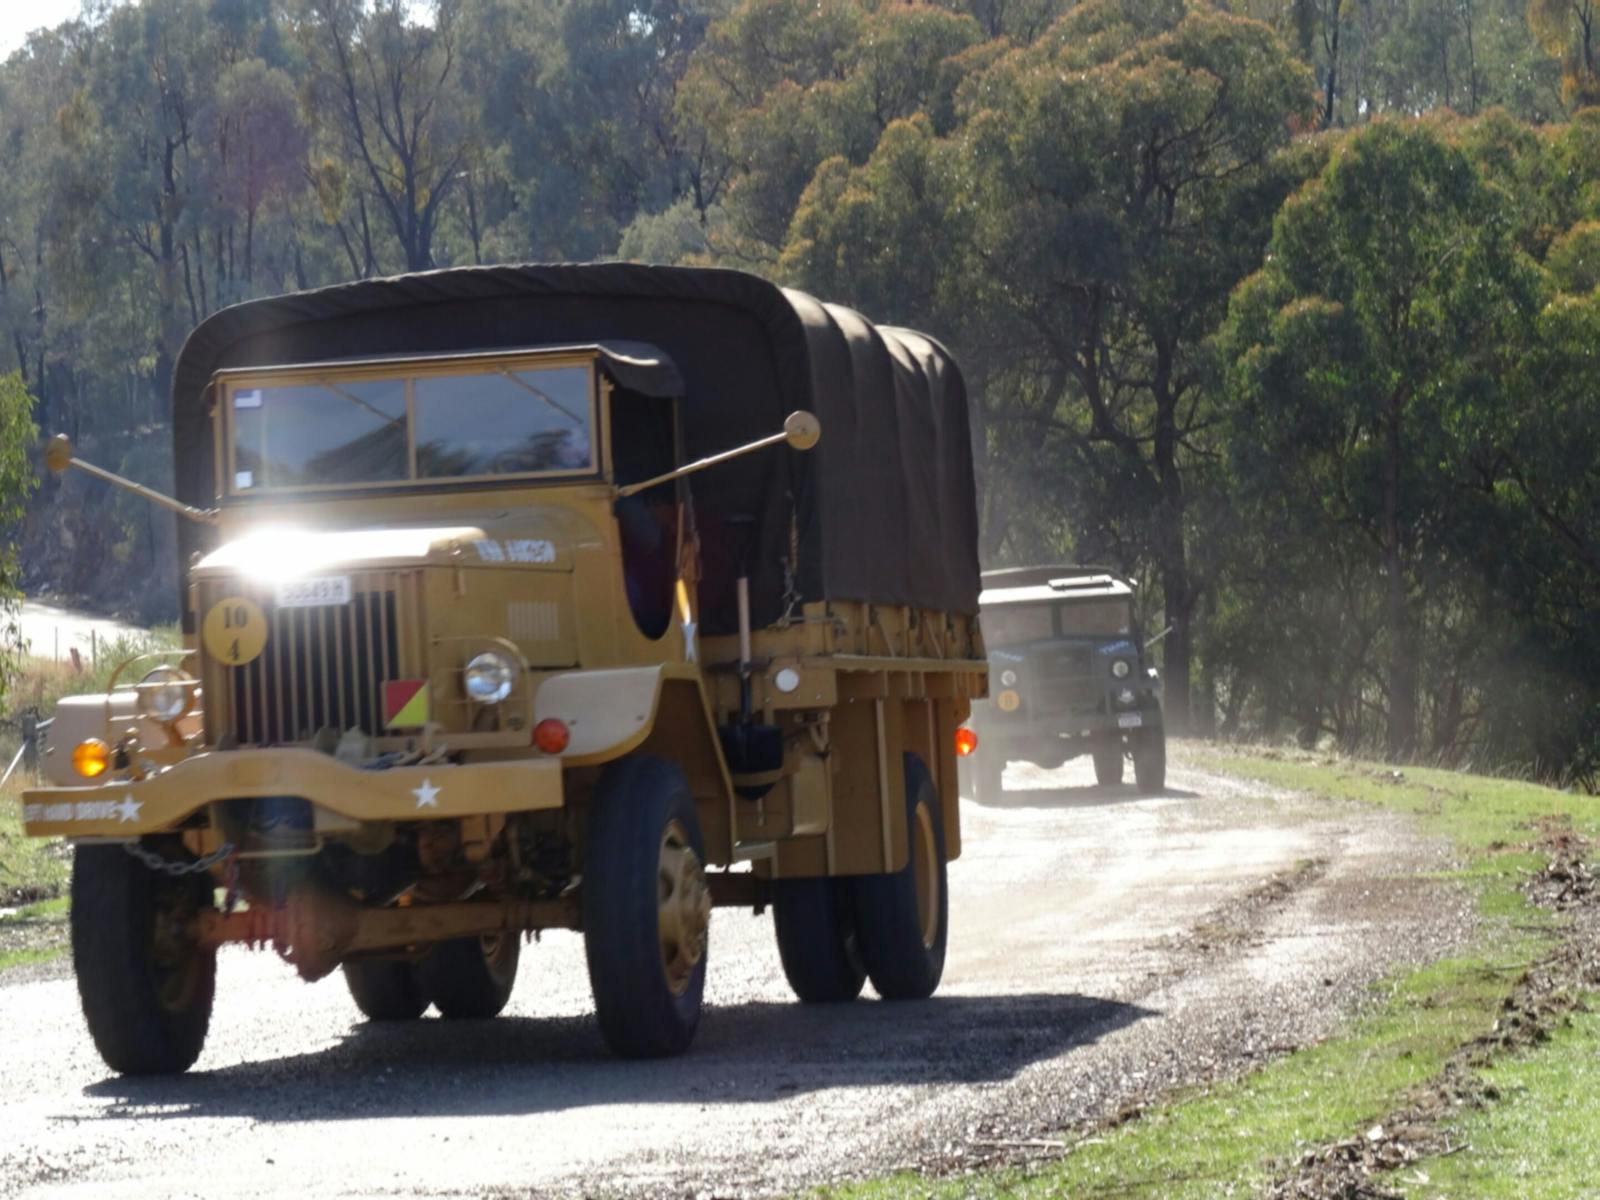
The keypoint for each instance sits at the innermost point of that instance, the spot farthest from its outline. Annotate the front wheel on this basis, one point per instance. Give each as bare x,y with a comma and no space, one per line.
902,918
1150,762
146,985
646,908
1108,764
817,939
471,978
988,776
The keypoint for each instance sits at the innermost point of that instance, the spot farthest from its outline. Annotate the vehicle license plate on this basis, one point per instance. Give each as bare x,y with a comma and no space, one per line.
1130,720
313,593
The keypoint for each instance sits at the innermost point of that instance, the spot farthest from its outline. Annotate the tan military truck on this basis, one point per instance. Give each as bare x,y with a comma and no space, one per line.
512,601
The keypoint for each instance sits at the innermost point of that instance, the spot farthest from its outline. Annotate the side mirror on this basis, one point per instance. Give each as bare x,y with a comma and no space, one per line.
58,453
58,457
802,430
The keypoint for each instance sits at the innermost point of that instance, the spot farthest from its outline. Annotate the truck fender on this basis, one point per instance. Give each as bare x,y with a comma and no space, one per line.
108,716
610,713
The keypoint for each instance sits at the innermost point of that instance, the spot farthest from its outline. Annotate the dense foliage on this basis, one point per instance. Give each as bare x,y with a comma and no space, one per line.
1239,316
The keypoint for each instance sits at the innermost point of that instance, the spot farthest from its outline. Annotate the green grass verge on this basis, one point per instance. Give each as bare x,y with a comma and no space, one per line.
1540,1139
30,956
1233,1137
29,867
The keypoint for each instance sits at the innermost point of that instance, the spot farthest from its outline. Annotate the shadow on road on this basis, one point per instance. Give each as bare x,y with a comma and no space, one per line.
745,1053
1092,795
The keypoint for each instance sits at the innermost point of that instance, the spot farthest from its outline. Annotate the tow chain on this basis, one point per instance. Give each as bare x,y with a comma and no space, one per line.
167,866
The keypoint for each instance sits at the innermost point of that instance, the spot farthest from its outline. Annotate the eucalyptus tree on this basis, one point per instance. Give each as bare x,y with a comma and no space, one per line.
1369,361
1076,234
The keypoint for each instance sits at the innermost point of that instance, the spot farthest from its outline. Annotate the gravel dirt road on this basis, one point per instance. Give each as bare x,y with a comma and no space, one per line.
1103,947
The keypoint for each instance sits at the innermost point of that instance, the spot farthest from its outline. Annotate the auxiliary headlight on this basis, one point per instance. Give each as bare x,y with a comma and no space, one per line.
489,677
165,694
1008,678
1120,668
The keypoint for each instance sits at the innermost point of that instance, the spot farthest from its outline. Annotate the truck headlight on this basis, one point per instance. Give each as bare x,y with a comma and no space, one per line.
166,694
1120,668
489,677
1008,678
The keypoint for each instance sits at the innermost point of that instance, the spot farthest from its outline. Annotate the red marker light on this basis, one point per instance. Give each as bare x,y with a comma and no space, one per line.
551,736
966,742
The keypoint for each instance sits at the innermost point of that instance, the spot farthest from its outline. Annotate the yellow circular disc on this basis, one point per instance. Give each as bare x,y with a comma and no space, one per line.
234,631
1008,701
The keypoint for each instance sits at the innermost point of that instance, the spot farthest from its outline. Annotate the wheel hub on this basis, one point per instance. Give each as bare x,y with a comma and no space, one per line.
683,908
925,869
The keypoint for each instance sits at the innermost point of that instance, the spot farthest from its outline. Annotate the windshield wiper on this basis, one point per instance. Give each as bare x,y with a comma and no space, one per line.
545,396
328,385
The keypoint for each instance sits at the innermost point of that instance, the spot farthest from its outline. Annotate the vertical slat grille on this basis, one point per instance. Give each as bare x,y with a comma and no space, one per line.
323,666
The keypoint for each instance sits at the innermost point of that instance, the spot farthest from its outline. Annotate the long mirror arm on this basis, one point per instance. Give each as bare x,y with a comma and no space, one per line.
58,457
801,430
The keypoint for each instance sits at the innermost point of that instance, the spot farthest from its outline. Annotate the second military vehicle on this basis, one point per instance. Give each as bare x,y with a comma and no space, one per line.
1067,676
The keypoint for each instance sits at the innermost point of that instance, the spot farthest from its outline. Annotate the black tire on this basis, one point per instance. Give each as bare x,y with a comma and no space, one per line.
385,989
647,987
146,989
817,939
1108,764
471,978
1150,762
904,958
988,782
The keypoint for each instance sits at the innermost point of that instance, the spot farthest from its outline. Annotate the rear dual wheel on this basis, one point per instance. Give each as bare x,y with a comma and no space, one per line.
834,932
465,979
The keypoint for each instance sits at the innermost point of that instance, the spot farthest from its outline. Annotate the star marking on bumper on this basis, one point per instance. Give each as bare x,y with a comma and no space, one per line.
129,809
427,795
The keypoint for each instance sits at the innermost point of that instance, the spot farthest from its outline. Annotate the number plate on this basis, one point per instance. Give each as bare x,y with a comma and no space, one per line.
1130,721
314,593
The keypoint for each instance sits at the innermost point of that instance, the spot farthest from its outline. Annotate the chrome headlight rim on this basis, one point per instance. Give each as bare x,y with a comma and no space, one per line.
165,694
1121,668
489,677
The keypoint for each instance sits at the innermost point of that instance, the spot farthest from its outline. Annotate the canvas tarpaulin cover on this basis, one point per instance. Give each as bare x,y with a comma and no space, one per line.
883,508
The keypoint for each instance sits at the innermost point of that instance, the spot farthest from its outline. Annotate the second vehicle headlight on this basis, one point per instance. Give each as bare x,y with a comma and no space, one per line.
489,677
165,694
1008,678
1120,668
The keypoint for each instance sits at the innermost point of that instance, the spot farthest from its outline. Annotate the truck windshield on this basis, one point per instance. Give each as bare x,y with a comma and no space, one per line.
1017,624
1101,618
320,430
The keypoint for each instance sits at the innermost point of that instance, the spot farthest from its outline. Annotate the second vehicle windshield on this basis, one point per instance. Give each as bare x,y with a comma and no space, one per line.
1013,625
315,430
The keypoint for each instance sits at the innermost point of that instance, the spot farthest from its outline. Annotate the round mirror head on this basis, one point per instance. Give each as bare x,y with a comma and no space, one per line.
802,430
58,453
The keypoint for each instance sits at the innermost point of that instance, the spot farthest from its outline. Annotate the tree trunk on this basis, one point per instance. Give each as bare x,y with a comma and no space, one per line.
1171,556
1402,732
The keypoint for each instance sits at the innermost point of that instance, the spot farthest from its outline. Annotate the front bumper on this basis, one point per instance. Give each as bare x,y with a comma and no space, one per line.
995,725
162,802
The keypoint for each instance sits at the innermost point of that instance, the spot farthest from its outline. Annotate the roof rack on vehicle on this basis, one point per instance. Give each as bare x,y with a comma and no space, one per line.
1062,577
